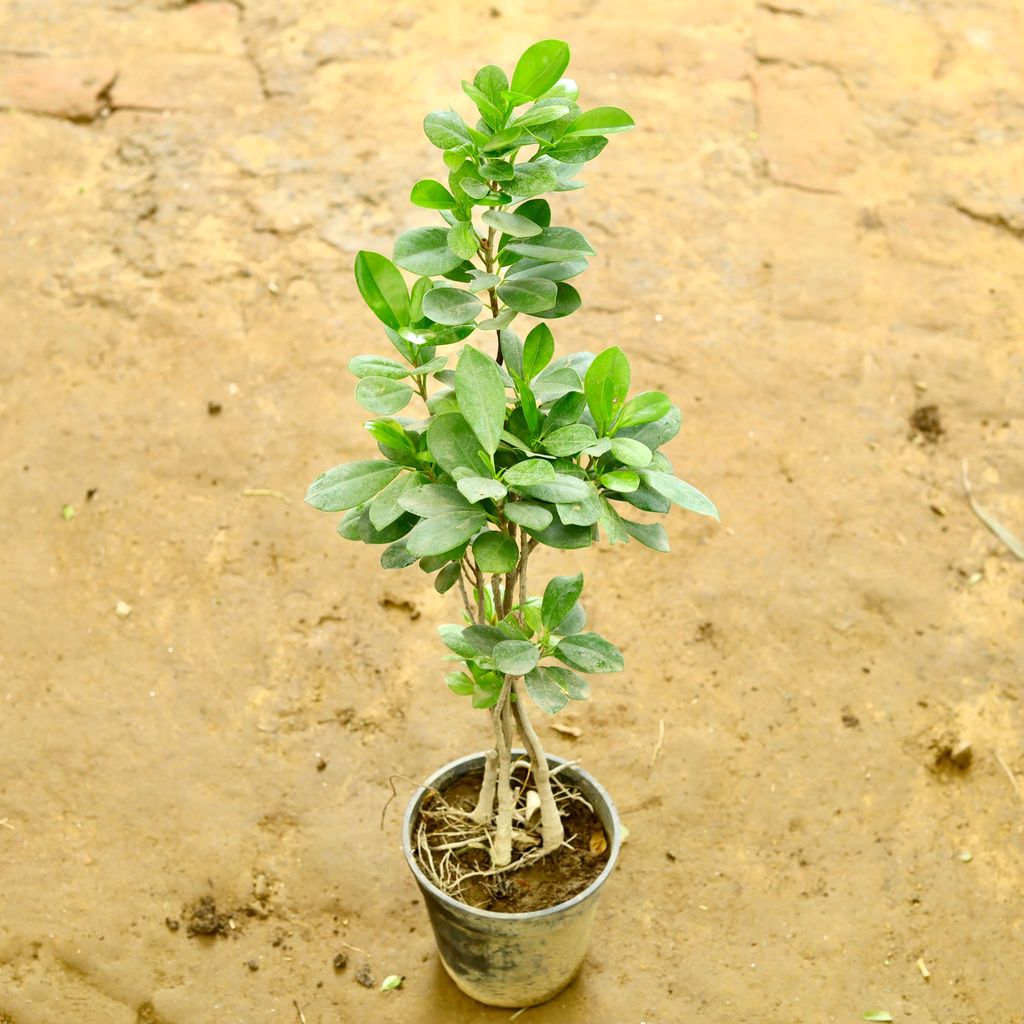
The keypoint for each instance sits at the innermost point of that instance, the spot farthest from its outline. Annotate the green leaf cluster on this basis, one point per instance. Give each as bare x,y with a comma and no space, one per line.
517,449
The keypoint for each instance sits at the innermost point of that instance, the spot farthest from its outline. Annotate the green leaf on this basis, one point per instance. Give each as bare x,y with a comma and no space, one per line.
583,512
496,170
878,1015
537,210
589,652
606,386
623,480
483,638
376,366
611,522
492,113
528,295
630,452
573,622
601,121
463,240
566,303
538,349
447,130
481,396
441,533
528,473
487,690
480,488
451,306
506,140
494,552
447,577
567,538
578,149
431,366
570,440
562,490
390,982
433,499
679,492
541,114
383,288
564,88
531,179
515,657
651,535
533,517
385,508
561,593
350,484
655,434
545,691
575,686
454,445
540,68
498,323
647,498
425,251
459,683
566,410
492,83
396,556
548,271
646,407
382,395
432,195
481,282
511,224
452,638
551,245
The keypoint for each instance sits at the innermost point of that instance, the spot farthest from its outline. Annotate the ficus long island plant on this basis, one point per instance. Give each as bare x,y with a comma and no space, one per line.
508,451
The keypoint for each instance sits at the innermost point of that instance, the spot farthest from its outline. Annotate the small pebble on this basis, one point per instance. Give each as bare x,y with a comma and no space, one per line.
122,609
340,961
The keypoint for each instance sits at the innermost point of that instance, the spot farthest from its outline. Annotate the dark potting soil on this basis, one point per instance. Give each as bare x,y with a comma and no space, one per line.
544,883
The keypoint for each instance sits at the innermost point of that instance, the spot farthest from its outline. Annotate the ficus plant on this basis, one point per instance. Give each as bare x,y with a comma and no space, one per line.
510,446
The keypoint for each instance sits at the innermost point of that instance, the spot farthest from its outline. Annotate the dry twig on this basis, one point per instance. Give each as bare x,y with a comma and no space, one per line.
265,492
1009,774
658,745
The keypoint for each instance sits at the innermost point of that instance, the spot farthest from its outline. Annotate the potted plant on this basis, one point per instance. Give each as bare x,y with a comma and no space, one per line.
509,448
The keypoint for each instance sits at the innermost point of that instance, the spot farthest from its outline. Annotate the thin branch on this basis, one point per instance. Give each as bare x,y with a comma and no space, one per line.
465,596
481,615
551,827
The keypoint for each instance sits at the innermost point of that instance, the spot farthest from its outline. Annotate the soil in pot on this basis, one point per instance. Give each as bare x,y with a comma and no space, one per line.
529,883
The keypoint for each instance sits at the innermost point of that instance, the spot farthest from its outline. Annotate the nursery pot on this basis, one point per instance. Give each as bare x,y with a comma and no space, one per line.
512,960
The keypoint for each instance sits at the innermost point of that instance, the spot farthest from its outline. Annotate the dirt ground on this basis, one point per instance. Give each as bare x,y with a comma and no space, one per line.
816,230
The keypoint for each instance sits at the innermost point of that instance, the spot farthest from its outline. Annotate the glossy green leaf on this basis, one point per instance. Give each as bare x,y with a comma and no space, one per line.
584,511
496,170
506,140
434,499
538,350
576,687
481,488
574,621
544,690
491,81
481,282
562,490
494,552
385,508
349,485
432,195
452,638
606,385
611,522
567,302
561,593
425,251
529,472
651,535
481,396
567,538
531,179
451,306
537,210
499,322
540,67
540,115
441,533
528,295
657,433
601,121
483,638
396,556
376,366
646,407
524,513
459,683
383,289
623,480
560,271
383,395
552,245
463,240
647,498
487,690
679,492
447,577
515,657
566,410
578,149
454,445
447,130
589,652
569,440
630,452
492,113
511,224
564,88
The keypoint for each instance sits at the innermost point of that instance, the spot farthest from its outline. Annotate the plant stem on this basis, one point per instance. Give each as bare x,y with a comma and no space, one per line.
481,814
491,292
465,596
551,826
502,716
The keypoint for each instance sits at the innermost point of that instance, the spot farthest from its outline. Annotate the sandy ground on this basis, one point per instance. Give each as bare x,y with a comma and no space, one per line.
816,229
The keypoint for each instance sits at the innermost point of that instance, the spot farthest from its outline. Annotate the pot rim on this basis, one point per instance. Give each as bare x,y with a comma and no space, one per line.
531,915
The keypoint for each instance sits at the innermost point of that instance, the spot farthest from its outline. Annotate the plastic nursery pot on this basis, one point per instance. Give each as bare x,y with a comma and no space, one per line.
512,960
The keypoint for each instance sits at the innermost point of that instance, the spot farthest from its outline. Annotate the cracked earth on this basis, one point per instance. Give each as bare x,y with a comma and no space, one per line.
815,235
